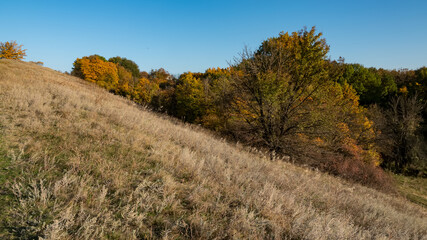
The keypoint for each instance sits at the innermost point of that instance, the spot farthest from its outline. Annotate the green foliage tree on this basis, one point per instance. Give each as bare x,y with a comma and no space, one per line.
190,98
130,65
372,85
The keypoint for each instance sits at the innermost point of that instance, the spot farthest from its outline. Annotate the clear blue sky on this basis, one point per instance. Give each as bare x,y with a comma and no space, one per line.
195,35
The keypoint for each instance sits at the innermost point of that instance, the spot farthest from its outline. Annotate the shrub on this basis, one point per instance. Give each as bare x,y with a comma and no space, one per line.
345,166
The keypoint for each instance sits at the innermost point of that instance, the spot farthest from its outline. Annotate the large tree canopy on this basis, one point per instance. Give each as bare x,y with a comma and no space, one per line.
274,84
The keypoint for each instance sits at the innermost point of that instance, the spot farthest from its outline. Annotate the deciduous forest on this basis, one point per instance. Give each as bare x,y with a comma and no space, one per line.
290,99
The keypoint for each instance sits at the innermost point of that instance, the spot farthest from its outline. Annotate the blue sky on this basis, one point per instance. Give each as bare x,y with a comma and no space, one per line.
195,35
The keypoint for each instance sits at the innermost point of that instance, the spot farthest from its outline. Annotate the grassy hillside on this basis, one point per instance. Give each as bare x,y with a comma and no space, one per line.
79,163
413,188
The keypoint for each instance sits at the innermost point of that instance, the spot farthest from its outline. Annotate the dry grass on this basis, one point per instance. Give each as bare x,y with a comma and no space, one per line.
80,163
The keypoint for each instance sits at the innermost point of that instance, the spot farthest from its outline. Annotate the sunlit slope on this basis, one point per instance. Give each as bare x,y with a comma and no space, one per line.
79,163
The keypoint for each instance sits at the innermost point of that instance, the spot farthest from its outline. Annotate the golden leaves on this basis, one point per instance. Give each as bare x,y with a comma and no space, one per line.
11,50
96,70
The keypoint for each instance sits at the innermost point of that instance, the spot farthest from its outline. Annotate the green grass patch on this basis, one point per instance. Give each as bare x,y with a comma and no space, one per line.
413,188
8,172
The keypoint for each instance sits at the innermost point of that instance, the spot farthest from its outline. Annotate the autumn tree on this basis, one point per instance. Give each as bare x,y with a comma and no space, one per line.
274,85
218,98
145,90
163,91
345,127
190,98
11,50
95,69
125,82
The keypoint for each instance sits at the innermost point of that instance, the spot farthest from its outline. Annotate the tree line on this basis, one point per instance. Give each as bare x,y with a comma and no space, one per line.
290,99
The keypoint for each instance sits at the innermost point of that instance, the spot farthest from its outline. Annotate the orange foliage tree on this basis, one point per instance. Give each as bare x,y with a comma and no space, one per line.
11,50
95,69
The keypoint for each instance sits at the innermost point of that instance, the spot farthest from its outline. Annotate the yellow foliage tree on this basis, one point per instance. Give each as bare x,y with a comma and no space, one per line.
145,90
216,83
345,125
274,87
125,82
190,98
11,50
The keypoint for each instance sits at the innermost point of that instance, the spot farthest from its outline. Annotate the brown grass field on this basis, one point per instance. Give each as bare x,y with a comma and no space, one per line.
77,162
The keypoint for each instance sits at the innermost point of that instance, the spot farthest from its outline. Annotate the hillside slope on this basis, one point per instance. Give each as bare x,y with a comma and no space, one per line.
79,163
